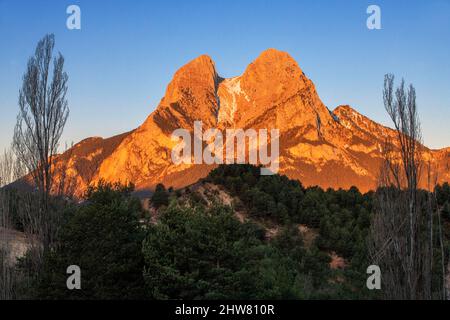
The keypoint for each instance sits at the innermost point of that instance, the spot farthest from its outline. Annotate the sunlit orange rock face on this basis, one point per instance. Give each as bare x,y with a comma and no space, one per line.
338,148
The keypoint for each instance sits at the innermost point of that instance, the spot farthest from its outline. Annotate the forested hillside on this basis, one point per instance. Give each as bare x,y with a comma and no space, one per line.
232,235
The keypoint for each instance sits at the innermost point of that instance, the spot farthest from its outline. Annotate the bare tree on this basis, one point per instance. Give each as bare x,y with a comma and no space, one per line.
402,229
43,112
6,168
10,171
10,168
6,272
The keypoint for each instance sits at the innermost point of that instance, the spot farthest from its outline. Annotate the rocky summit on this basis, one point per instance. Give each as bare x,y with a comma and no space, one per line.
336,148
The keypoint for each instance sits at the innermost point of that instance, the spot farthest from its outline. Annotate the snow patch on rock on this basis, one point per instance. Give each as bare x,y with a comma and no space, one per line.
229,91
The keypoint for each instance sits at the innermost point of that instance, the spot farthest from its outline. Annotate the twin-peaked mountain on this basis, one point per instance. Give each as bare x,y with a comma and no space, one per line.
338,148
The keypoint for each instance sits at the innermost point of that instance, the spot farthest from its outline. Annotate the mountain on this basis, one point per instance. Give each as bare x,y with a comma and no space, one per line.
338,148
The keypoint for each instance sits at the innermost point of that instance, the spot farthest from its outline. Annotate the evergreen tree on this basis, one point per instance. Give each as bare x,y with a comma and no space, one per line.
103,237
160,197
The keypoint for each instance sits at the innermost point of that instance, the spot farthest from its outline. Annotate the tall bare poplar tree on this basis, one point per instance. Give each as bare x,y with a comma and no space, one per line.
43,112
402,229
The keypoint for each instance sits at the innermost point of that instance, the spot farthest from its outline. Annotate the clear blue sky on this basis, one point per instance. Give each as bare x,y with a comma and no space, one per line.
121,60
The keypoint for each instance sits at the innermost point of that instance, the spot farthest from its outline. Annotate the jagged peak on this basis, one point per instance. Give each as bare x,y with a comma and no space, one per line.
191,95
273,60
347,111
347,115
274,55
272,77
200,63
200,72
200,68
349,118
343,107
89,140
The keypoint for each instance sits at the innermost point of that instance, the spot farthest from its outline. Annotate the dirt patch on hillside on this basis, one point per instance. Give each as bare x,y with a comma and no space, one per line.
212,193
337,262
206,193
